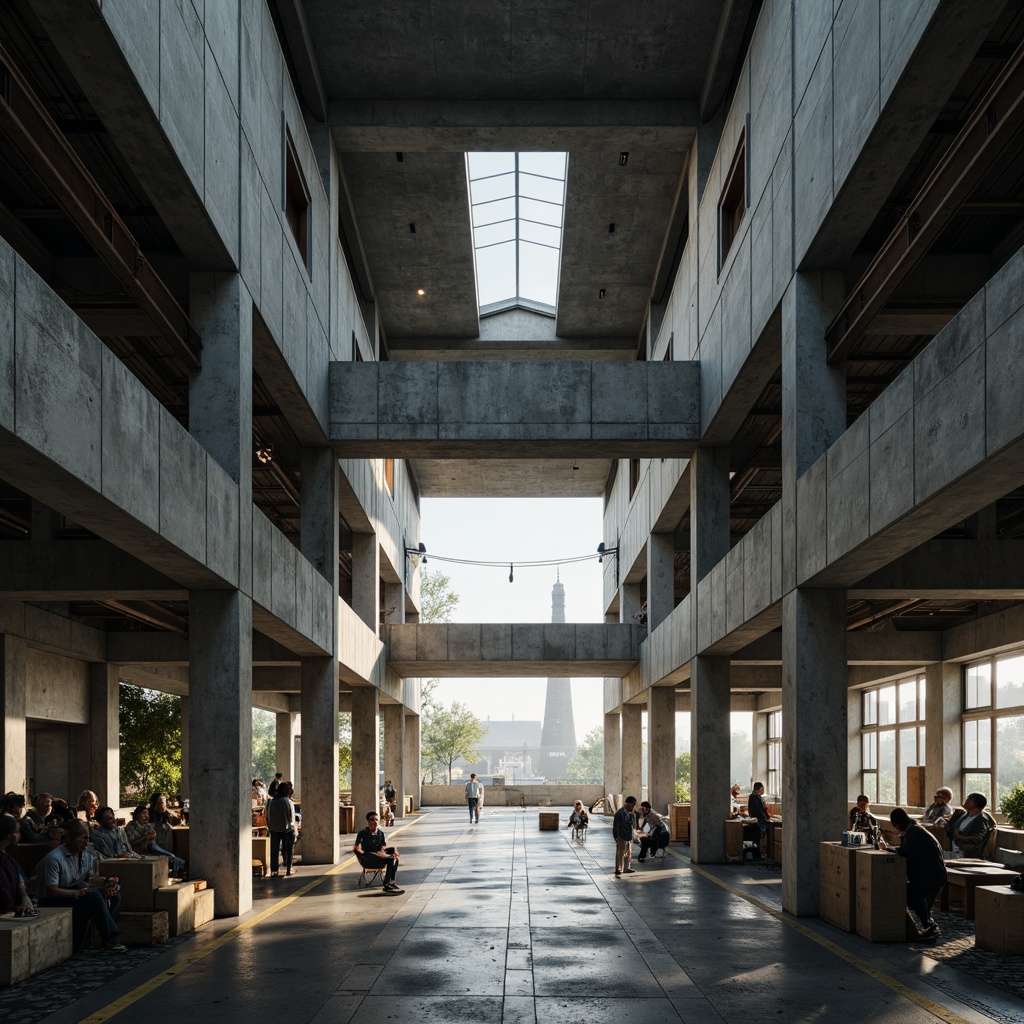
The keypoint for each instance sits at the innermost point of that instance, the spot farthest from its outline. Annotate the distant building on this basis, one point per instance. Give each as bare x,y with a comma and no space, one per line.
558,739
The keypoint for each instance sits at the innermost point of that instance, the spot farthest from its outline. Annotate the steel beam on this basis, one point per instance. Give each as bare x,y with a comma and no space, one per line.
29,128
993,126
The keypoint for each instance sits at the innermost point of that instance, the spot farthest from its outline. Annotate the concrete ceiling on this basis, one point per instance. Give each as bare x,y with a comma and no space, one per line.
511,478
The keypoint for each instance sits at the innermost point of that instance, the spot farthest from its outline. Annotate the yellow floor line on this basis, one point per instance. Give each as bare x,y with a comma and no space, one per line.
114,1008
855,961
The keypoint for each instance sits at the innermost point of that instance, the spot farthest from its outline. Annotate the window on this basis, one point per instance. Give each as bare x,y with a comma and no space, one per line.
993,726
733,204
775,753
296,200
518,203
634,476
389,476
892,738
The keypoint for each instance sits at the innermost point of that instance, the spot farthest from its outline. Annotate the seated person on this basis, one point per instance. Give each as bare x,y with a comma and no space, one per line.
161,819
259,793
39,812
939,809
578,817
371,852
656,835
88,803
861,818
390,795
971,830
757,809
926,871
67,879
109,838
60,813
13,895
734,803
142,837
14,805
386,816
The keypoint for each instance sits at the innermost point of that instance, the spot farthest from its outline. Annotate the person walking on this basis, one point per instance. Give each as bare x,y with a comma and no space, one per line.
474,793
623,825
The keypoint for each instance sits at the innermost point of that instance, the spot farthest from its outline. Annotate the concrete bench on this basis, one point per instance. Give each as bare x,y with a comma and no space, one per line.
30,945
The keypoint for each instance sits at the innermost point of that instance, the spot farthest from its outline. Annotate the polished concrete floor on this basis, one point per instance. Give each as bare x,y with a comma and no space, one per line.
504,923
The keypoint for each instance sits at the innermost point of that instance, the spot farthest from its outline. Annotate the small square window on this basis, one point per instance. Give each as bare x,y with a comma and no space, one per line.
733,203
389,476
296,200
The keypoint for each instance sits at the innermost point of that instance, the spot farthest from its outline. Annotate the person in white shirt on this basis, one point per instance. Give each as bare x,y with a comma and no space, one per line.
474,793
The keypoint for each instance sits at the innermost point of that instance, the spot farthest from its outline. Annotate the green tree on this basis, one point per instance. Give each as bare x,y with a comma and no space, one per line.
588,765
344,750
741,759
451,733
437,603
683,776
150,741
264,745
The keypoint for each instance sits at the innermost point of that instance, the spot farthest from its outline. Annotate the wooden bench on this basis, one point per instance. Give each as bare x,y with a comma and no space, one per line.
30,945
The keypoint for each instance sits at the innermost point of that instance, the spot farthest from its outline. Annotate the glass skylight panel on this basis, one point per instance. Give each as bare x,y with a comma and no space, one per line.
518,204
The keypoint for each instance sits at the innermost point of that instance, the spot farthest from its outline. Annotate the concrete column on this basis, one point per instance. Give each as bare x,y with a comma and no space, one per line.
632,750
661,746
220,722
612,754
412,774
709,512
943,750
185,748
104,739
14,754
366,579
394,751
709,758
365,751
318,752
631,597
660,578
394,603
284,744
814,778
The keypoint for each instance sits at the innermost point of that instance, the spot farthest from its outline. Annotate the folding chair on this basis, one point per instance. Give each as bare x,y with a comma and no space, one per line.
371,875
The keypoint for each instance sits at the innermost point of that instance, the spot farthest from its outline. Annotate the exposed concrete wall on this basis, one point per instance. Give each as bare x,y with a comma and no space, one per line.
57,688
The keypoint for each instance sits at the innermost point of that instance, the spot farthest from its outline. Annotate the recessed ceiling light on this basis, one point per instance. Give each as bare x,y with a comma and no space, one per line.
420,291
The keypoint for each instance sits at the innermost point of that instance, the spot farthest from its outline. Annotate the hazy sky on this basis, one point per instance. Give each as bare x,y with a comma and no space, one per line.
518,529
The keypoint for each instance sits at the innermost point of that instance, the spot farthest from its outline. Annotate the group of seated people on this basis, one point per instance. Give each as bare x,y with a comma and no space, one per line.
968,827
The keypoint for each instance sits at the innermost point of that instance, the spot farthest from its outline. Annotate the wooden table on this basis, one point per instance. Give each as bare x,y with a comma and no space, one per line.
964,876
881,881
346,818
261,851
837,880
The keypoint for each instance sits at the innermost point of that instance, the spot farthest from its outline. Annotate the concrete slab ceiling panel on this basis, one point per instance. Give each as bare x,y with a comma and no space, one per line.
262,558
136,27
131,421
182,50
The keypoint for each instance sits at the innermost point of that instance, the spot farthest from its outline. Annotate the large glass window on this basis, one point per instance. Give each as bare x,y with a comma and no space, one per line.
518,202
774,782
993,726
892,737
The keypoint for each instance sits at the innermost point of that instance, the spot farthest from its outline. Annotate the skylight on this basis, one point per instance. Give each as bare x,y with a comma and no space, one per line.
518,201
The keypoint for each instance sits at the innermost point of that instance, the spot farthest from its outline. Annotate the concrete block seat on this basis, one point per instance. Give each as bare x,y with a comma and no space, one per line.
33,944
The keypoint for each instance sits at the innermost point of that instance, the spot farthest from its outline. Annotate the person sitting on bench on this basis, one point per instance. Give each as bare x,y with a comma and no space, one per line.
371,852
656,836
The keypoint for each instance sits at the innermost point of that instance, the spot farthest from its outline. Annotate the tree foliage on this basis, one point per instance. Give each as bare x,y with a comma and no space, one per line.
437,599
150,741
588,765
451,733
264,745
344,750
683,776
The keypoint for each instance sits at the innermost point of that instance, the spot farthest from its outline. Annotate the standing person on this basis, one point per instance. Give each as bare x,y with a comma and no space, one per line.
756,809
474,793
281,822
13,895
371,852
274,785
622,832
390,795
926,871
66,879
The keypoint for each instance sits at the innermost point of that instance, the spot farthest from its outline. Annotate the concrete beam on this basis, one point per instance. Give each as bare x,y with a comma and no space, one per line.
460,126
571,409
499,650
887,647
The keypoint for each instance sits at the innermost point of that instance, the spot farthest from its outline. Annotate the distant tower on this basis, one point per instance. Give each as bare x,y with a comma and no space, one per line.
558,736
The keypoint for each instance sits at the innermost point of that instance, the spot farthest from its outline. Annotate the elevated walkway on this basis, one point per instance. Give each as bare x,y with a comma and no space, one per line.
496,650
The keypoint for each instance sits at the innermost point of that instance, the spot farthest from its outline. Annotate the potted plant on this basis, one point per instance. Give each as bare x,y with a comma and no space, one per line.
1013,805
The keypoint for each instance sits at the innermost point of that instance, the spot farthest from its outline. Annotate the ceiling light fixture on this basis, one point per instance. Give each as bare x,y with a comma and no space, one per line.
412,228
420,291
623,158
265,452
400,157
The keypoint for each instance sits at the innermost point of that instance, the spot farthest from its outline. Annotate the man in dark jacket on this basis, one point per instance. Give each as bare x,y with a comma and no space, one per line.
756,809
926,871
623,825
